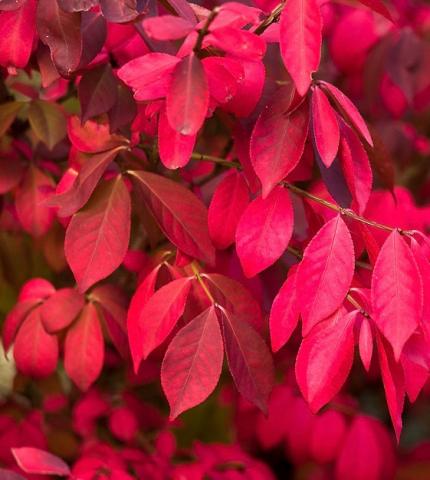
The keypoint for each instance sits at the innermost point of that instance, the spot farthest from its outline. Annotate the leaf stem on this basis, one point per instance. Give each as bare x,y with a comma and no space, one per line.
205,29
202,283
303,193
271,18
221,161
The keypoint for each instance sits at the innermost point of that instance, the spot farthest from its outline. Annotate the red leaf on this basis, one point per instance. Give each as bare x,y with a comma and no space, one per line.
97,92
167,27
174,148
77,5
17,29
33,460
397,297
192,365
36,218
285,313
97,237
187,99
14,320
236,299
328,435
325,127
85,183
149,76
249,359
92,137
378,7
180,214
61,32
264,231
120,11
149,326
8,474
325,359
238,43
348,110
356,167
325,273
35,351
227,205
365,342
61,309
394,383
224,76
362,455
278,139
300,38
11,172
84,348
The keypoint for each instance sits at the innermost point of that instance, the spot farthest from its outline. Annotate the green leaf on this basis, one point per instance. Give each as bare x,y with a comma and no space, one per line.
8,113
48,122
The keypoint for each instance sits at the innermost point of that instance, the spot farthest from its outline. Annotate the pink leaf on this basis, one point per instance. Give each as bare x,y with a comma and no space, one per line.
378,7
149,326
264,231
149,76
356,167
84,348
348,110
187,99
17,29
180,214
33,460
97,237
61,309
249,359
174,148
365,342
300,37
88,177
224,77
14,320
325,127
284,314
325,273
227,205
167,27
278,139
397,297
362,456
328,435
394,383
35,351
325,359
192,365
238,43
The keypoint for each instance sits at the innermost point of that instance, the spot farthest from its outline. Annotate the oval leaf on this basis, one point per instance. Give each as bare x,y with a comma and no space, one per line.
264,231
192,365
187,99
180,214
300,38
325,273
249,359
149,326
397,297
84,348
97,237
325,359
